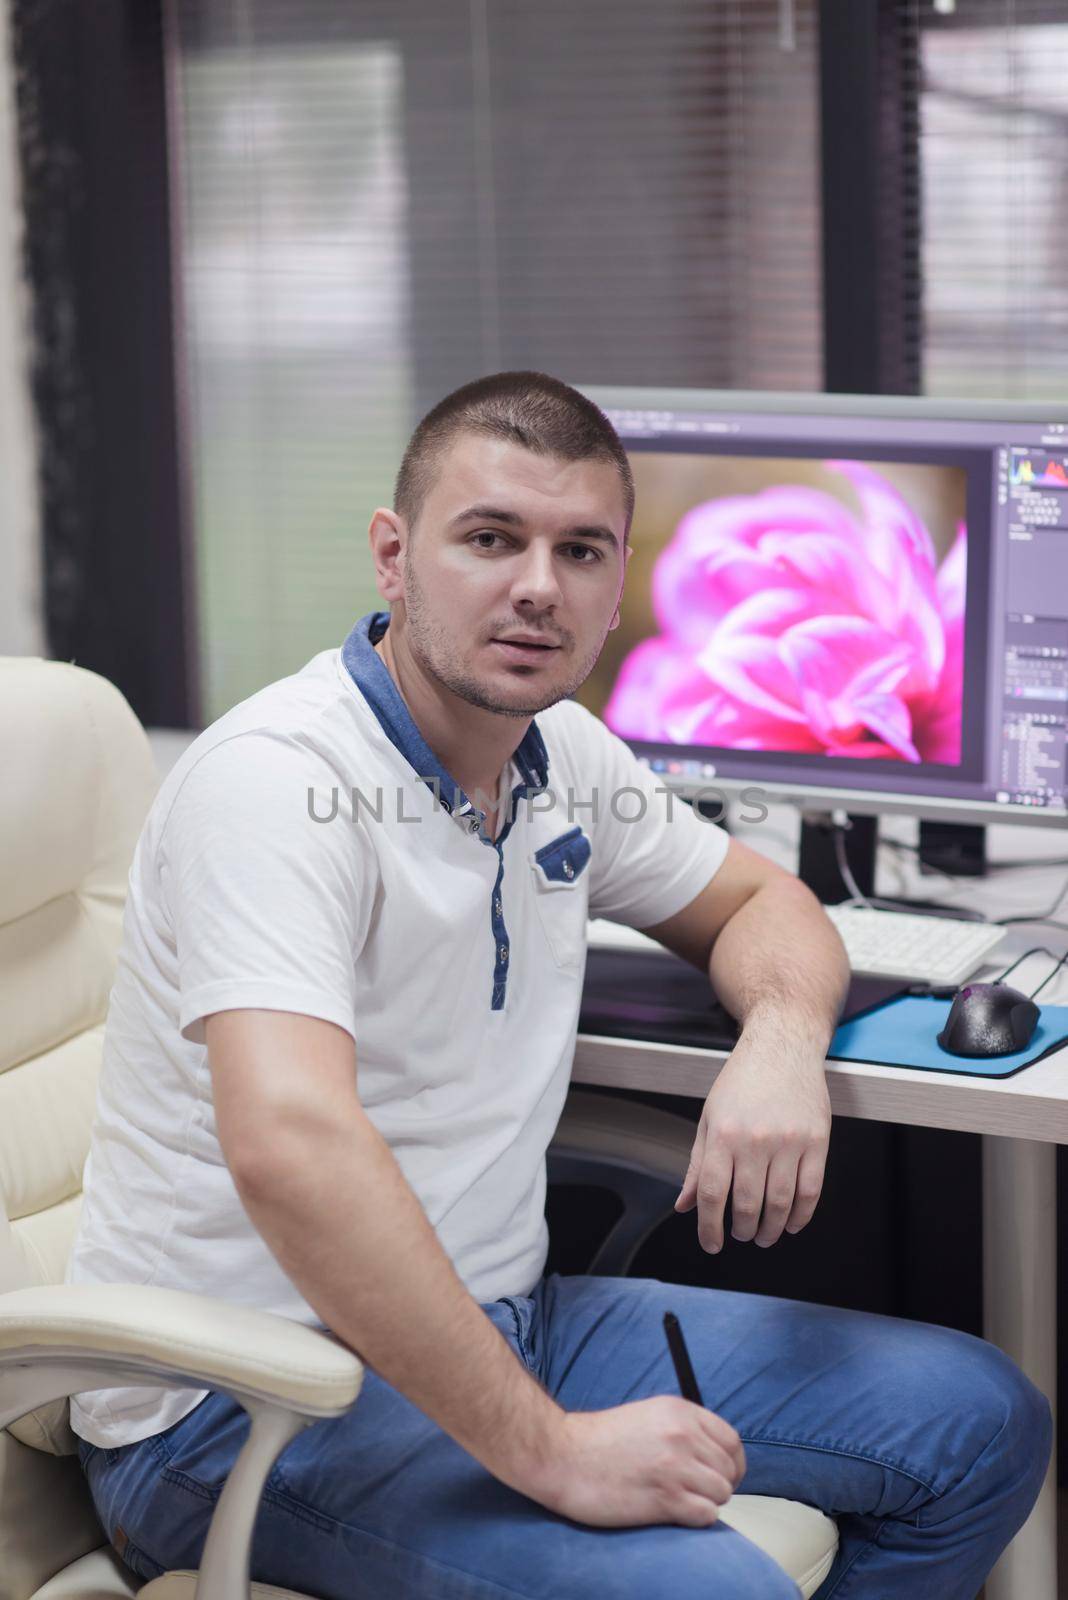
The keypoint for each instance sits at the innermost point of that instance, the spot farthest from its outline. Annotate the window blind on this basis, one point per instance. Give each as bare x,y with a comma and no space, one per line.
993,114
379,201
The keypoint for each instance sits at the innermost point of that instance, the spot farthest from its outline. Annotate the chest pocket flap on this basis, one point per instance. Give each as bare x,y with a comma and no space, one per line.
562,860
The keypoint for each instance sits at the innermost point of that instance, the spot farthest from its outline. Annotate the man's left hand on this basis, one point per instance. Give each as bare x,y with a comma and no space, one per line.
763,1134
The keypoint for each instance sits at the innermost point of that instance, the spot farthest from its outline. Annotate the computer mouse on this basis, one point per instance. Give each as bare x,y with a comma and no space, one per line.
989,1019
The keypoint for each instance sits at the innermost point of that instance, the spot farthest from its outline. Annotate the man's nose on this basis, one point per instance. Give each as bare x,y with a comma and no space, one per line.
536,580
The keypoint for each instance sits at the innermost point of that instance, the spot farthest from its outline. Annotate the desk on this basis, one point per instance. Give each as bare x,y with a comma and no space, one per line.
1022,1119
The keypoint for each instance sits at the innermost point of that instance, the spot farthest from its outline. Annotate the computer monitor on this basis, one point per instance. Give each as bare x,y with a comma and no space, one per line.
848,602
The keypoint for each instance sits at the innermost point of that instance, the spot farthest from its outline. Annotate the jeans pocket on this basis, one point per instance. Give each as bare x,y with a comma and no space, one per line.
200,1450
522,1309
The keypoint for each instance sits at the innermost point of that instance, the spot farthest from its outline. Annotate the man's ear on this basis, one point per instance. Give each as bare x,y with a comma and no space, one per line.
628,551
388,538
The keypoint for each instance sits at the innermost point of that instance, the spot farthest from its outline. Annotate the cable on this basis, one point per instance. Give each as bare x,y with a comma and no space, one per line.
856,895
1004,922
1036,950
1049,975
1028,861
843,865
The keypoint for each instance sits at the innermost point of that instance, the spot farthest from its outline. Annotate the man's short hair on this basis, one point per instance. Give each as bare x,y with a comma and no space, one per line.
525,408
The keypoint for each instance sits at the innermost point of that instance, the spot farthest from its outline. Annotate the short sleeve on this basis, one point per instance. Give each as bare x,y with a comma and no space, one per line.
269,882
652,854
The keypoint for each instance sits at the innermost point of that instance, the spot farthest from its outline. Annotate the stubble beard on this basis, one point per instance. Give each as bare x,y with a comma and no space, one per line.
435,653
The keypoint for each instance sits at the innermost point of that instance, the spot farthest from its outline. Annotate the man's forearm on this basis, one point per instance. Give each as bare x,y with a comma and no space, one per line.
337,1212
779,964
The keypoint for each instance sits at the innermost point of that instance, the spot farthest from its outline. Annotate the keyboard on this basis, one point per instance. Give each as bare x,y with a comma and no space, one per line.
903,944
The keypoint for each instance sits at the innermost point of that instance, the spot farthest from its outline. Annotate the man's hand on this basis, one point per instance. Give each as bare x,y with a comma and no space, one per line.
658,1460
776,962
764,1129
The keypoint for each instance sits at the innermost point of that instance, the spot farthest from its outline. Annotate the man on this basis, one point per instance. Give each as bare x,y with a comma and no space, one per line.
338,1044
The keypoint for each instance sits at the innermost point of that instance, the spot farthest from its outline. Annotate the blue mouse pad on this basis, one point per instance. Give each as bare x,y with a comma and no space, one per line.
902,1033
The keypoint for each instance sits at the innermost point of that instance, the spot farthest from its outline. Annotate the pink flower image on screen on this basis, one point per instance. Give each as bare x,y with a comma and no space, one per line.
789,623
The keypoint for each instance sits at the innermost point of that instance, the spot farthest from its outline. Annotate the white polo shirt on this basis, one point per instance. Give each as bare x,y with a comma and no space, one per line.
455,961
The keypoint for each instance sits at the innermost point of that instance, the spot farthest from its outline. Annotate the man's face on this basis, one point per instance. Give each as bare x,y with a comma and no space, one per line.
510,545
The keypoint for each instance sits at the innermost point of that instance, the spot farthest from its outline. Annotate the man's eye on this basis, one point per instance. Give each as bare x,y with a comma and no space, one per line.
587,553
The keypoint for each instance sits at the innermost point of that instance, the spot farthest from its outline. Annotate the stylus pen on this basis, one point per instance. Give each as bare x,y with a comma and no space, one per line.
681,1357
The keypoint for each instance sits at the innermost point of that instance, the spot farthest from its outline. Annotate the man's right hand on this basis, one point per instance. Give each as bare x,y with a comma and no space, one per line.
658,1460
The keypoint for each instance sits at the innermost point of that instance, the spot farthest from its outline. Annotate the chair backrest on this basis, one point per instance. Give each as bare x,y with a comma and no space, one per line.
78,781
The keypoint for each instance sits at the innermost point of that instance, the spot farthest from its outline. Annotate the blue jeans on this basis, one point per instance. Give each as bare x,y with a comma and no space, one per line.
927,1446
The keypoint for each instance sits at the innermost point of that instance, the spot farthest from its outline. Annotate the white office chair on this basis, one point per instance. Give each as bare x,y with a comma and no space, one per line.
81,779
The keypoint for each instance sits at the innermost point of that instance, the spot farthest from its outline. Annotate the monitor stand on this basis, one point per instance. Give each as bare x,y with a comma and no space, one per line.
818,865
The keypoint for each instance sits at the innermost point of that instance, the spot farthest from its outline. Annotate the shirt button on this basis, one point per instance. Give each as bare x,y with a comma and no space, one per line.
502,951
472,825
497,908
569,871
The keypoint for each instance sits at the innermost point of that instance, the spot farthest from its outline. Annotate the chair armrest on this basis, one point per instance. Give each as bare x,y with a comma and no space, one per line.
637,1152
110,1335
605,1128
59,1340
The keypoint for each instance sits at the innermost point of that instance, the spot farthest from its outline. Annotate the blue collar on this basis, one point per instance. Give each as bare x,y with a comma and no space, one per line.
372,677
